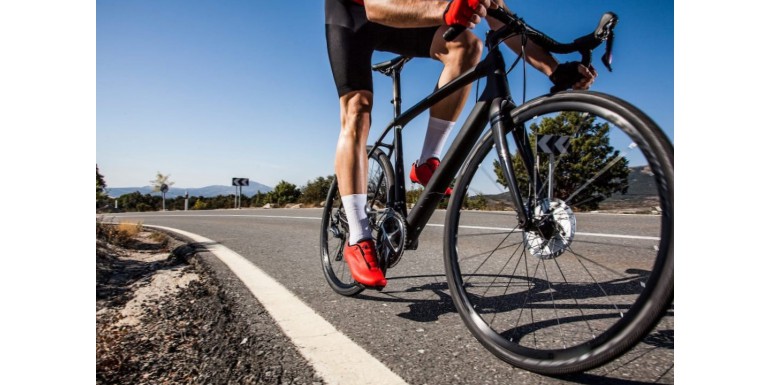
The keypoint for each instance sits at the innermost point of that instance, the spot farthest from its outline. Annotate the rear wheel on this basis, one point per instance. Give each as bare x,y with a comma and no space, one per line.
597,273
334,224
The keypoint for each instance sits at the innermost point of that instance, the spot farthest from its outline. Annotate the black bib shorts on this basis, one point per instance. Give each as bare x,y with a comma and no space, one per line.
351,39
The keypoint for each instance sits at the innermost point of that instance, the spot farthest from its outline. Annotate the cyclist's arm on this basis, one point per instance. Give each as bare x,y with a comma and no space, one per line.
537,57
406,13
421,13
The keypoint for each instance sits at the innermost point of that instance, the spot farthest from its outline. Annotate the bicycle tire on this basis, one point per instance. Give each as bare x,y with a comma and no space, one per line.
334,228
536,322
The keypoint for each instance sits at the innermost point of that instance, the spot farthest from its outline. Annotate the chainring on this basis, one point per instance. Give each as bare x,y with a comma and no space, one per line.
391,237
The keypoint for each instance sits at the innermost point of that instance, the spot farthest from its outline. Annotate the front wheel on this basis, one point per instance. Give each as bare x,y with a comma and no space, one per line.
334,223
596,272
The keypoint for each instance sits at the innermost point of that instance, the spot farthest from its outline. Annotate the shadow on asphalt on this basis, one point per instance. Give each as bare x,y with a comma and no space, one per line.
429,310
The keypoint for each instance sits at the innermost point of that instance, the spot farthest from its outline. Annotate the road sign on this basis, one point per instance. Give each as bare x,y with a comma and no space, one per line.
240,181
552,144
164,188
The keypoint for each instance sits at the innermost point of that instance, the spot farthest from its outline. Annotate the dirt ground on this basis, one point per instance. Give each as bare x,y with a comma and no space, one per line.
163,317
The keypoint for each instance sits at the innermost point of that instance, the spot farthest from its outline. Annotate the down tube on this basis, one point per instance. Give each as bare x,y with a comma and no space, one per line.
453,160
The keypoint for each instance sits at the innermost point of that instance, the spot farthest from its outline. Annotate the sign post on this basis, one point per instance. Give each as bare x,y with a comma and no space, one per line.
239,183
164,190
552,145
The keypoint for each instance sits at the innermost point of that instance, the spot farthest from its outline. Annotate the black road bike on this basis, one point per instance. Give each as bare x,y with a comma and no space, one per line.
539,270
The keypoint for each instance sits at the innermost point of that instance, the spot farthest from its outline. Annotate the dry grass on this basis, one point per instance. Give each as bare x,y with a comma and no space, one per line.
119,234
129,229
159,237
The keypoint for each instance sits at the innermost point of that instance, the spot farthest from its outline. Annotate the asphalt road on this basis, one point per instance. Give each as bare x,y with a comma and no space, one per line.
411,326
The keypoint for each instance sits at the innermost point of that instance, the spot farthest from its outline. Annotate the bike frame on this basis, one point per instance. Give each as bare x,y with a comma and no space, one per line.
493,106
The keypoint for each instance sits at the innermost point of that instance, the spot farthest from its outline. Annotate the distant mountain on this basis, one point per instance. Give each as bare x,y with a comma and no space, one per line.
207,192
642,192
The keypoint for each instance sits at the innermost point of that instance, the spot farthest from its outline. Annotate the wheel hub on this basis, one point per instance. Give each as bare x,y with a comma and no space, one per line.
554,231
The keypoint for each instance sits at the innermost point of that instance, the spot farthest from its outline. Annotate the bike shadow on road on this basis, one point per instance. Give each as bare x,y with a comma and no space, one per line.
428,301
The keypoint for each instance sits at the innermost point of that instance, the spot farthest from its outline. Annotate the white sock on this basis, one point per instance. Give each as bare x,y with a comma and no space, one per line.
435,138
358,222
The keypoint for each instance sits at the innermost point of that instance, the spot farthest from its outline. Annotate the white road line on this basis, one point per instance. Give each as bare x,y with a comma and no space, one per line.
622,236
619,236
217,216
504,229
334,356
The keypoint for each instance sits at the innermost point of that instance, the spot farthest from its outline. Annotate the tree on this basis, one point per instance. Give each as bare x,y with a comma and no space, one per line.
413,194
258,199
589,153
200,204
161,184
101,186
285,192
478,202
135,201
159,181
316,191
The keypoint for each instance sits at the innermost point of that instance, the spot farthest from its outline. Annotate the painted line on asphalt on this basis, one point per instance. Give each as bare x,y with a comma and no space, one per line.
503,229
334,356
601,235
215,216
619,236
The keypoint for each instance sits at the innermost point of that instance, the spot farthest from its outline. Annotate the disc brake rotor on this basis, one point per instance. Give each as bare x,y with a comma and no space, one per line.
563,223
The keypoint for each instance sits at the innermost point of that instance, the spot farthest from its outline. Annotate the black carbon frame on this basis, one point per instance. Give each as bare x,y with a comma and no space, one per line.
494,106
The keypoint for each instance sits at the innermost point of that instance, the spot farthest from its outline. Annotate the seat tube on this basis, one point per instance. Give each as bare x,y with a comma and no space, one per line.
396,76
399,195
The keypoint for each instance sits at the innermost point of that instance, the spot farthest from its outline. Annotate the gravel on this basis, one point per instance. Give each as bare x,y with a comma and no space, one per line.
165,316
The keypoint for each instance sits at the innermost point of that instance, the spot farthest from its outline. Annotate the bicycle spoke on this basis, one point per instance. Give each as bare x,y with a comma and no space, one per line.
587,276
486,259
601,172
580,259
526,298
577,305
551,290
499,273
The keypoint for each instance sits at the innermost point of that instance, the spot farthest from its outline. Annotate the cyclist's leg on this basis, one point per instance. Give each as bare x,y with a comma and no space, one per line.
350,50
350,163
458,56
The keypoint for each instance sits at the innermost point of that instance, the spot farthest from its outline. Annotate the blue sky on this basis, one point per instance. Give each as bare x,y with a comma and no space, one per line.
210,90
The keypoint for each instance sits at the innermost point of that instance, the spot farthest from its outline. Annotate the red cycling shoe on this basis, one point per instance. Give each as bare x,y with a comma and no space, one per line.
421,174
362,260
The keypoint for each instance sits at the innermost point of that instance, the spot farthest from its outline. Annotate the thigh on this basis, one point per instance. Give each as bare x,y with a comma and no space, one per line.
412,42
350,56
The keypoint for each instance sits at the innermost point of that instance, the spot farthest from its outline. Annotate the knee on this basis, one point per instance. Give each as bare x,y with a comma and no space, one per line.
466,49
355,111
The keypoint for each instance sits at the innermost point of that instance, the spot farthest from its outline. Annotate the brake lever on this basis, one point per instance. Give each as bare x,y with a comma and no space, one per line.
606,31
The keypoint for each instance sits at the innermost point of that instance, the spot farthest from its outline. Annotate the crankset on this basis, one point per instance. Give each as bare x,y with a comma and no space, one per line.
391,237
